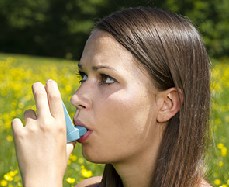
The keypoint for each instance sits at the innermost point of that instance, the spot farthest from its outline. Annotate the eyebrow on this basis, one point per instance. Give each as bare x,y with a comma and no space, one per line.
95,68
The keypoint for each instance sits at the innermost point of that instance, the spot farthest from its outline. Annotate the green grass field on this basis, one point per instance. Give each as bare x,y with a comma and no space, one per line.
19,72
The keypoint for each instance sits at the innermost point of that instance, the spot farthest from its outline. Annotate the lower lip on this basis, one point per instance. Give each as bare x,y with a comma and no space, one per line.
85,136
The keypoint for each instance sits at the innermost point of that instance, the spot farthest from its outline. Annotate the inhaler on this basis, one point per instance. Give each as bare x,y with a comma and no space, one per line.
73,132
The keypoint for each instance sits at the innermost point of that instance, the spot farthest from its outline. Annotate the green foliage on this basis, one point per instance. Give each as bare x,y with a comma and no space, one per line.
59,28
212,17
24,13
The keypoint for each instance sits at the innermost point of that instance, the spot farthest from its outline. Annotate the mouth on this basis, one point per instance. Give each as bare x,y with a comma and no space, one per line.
85,137
79,123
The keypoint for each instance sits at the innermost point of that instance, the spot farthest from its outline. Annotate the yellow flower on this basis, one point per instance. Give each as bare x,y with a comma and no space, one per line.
8,177
217,182
224,151
3,183
224,185
71,180
86,173
13,173
220,145
73,157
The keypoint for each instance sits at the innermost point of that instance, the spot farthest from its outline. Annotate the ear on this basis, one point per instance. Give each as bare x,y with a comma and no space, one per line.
169,103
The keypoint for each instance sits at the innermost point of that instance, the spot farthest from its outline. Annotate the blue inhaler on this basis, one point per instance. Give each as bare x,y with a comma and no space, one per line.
73,133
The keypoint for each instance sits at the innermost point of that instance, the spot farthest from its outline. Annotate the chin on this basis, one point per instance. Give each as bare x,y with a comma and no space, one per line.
91,155
97,157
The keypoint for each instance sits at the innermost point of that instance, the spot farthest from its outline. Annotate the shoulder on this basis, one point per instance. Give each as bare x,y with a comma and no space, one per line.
91,182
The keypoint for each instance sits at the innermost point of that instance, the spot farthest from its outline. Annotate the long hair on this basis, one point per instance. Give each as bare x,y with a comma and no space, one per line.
169,47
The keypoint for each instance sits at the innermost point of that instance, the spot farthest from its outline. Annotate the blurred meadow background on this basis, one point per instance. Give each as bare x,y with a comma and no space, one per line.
41,39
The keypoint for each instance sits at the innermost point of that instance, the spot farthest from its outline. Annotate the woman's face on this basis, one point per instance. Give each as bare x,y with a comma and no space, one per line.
116,102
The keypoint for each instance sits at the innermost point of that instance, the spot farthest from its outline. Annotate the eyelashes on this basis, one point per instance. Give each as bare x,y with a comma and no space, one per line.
104,79
83,76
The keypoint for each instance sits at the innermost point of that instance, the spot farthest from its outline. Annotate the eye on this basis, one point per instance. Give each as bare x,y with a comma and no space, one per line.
106,79
83,76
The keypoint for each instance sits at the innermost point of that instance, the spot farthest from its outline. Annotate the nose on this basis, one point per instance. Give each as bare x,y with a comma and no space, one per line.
82,98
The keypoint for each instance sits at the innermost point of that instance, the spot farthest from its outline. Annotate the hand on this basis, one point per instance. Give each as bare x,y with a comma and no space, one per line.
41,143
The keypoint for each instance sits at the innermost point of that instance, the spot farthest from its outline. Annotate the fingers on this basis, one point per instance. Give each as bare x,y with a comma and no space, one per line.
48,99
17,125
41,99
54,98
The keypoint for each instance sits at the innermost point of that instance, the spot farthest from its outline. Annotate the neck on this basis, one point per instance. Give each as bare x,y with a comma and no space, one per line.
139,170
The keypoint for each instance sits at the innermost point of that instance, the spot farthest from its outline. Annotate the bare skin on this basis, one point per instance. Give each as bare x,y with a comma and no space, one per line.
124,102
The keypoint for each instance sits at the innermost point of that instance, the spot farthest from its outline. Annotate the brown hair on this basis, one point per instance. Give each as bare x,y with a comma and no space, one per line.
170,48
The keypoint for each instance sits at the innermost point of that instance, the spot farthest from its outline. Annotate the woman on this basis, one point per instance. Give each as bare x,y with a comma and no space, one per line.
144,100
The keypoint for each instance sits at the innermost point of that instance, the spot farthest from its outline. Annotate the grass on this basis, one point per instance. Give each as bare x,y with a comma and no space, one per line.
19,72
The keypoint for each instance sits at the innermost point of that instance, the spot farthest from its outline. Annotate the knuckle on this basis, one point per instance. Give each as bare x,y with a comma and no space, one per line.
55,96
45,124
44,127
32,129
61,129
51,125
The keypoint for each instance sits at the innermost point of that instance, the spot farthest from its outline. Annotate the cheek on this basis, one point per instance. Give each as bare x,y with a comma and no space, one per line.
124,110
123,121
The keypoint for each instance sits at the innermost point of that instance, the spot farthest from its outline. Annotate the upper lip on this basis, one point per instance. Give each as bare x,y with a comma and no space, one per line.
77,122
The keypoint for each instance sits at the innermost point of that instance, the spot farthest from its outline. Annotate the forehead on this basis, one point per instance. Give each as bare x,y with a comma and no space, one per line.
101,46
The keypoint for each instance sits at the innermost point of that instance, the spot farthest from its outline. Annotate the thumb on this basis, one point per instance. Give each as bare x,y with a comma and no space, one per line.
70,147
